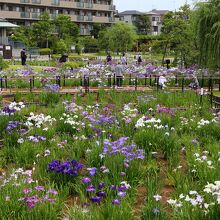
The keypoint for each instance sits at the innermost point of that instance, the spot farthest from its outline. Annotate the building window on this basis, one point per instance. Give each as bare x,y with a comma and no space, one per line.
155,18
155,28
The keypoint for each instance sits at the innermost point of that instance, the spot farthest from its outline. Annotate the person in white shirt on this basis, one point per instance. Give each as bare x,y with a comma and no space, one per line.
162,81
123,59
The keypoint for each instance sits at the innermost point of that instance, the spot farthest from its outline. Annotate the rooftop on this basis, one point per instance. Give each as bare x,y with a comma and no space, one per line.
6,24
131,12
159,12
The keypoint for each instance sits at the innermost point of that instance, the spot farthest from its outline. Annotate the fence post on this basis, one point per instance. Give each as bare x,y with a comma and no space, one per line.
136,83
33,81
6,82
30,85
109,80
88,84
59,81
1,84
157,78
64,80
81,81
150,81
114,81
219,84
145,81
85,84
183,83
211,84
130,79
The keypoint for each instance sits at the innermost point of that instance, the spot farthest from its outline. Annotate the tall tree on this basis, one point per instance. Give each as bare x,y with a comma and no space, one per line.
143,24
65,27
43,29
119,37
208,32
178,36
25,35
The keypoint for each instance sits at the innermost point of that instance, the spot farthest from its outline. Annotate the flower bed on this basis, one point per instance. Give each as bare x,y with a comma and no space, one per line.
105,153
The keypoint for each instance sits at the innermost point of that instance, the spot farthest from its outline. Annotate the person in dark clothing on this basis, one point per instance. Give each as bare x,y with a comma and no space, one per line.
139,59
23,57
63,59
108,58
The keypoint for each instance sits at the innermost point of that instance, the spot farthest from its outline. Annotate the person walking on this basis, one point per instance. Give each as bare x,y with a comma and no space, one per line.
162,81
23,57
119,69
123,59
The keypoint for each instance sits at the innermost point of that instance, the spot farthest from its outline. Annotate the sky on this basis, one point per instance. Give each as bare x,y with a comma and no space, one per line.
148,5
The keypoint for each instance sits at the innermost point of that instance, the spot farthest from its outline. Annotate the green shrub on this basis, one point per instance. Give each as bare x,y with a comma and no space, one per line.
75,58
72,65
3,64
45,51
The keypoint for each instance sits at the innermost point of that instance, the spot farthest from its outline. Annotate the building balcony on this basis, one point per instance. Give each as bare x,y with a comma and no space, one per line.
55,2
25,1
36,1
35,15
97,19
25,15
67,4
84,31
80,18
10,14
101,7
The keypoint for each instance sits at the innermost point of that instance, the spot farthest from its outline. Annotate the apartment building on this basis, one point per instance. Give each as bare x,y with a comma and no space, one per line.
156,17
84,12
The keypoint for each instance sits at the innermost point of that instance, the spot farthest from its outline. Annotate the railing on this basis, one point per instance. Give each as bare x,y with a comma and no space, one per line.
88,5
25,14
3,40
35,15
92,83
80,18
25,1
80,4
111,19
55,2
88,18
36,1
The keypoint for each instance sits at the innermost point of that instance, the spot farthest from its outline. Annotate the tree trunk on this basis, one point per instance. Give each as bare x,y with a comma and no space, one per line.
164,53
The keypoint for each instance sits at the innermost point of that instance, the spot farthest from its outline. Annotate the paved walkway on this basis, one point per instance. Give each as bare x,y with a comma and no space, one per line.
67,90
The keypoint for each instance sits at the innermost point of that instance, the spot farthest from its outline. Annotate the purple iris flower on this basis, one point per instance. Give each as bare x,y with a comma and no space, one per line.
101,194
101,185
95,199
90,188
92,171
86,180
113,187
39,188
116,202
122,194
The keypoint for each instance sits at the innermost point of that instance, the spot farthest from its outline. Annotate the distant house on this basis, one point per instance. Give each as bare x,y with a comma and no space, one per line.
129,16
156,18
